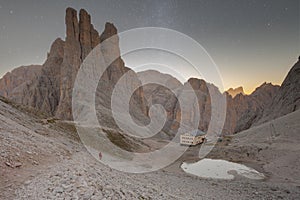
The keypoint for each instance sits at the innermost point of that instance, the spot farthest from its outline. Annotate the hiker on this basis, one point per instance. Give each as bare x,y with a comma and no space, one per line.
100,155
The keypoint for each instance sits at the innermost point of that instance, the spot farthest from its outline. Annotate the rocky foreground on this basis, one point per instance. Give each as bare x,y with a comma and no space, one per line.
43,159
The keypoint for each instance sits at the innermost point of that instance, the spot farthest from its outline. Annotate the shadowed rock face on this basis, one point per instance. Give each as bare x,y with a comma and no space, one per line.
49,87
17,78
249,108
287,99
42,91
81,38
115,70
242,110
266,103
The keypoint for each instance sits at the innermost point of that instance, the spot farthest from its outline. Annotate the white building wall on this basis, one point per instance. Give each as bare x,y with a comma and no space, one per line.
190,140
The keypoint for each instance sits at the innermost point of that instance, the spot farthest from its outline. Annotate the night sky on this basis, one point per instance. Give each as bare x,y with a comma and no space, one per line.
251,41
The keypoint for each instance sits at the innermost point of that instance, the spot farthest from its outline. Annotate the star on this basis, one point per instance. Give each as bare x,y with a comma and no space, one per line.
11,11
269,25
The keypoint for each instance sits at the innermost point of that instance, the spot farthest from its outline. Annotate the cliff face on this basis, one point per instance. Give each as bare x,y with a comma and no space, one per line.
243,111
49,87
41,89
116,69
18,78
287,99
249,108
81,38
162,95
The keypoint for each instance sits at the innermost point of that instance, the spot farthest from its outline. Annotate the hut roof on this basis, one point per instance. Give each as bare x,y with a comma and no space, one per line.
197,133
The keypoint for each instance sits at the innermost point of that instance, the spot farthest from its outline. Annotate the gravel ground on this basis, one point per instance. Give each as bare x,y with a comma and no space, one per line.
82,177
43,159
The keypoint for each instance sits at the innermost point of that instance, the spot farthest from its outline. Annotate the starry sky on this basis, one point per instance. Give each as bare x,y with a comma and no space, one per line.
251,41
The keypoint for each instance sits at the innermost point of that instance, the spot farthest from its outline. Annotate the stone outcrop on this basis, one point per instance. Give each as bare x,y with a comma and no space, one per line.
287,99
116,69
18,78
42,92
164,94
249,108
200,87
235,91
49,88
81,38
243,111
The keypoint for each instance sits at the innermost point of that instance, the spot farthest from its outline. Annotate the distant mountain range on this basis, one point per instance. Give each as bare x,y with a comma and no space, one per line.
235,91
49,87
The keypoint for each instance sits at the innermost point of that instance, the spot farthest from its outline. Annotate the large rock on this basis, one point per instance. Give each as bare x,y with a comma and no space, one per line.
202,99
194,93
43,91
287,99
242,112
49,87
164,91
17,78
235,91
115,70
70,65
249,108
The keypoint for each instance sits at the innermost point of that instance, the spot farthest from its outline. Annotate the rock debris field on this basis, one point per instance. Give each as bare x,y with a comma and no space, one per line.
44,159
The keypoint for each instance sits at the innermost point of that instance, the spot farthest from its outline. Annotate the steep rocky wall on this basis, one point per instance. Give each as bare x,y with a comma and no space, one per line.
49,87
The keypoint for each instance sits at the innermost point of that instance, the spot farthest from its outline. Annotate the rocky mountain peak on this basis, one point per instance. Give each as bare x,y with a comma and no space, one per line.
109,31
265,88
72,27
287,99
50,90
235,91
84,16
81,31
293,76
198,84
88,36
57,48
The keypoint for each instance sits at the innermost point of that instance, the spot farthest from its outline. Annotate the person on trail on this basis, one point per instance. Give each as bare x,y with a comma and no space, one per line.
100,155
